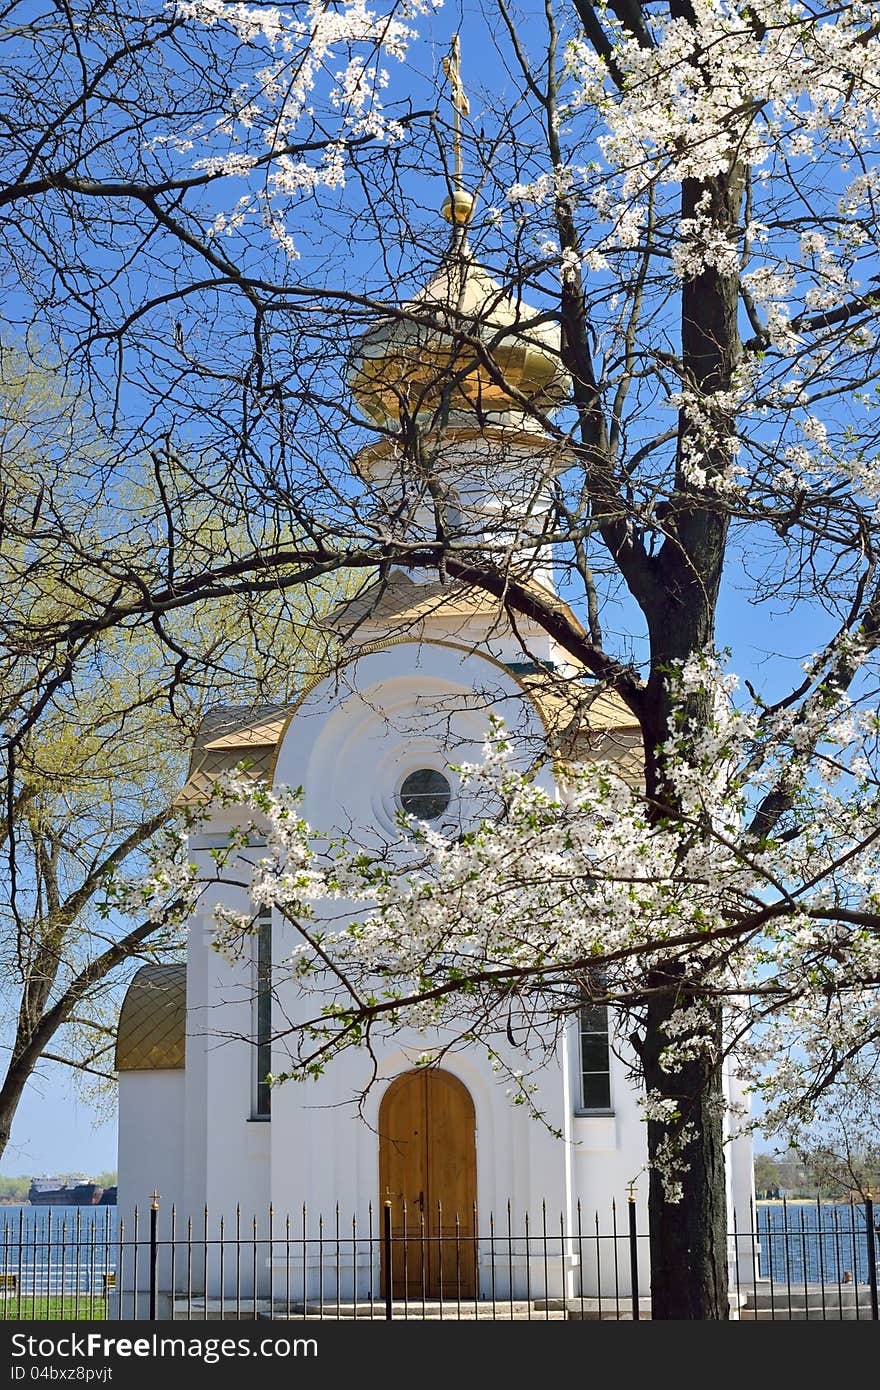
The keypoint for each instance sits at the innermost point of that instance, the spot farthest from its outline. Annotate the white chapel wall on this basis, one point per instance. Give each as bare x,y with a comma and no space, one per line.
150,1153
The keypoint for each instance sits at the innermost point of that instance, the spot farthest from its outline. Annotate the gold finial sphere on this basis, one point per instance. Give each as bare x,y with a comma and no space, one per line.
458,206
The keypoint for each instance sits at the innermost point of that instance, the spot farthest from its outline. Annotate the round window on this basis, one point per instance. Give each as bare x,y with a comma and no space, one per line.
425,793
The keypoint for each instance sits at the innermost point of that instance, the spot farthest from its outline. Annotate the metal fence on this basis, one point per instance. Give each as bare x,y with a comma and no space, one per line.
787,1260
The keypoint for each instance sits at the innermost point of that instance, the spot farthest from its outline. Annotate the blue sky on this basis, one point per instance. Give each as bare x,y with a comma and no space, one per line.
55,1133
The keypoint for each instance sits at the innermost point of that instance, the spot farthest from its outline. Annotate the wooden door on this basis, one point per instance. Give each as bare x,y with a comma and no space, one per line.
428,1171
403,1178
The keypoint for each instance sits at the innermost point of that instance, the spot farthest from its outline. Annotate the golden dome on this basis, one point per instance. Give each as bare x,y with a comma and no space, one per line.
462,339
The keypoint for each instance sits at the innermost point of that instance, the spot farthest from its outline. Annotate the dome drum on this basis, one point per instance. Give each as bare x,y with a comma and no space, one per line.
476,461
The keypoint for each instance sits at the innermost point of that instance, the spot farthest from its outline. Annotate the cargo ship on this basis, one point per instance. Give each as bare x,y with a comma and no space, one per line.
71,1191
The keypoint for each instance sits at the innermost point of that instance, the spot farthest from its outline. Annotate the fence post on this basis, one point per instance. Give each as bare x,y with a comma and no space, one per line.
154,1252
872,1258
386,1239
633,1252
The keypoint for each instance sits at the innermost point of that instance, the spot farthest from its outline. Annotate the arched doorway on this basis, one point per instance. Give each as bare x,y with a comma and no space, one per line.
428,1171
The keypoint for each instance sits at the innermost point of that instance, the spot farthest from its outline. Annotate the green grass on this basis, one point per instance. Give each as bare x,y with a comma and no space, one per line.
28,1309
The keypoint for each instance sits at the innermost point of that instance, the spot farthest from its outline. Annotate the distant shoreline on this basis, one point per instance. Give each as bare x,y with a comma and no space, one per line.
807,1201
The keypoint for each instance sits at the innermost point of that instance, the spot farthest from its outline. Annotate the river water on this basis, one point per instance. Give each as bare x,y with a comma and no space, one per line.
817,1242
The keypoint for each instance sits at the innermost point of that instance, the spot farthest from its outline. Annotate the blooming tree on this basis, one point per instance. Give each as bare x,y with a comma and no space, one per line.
687,188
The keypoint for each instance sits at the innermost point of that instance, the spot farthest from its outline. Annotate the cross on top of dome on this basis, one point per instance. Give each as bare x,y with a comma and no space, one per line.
464,345
459,204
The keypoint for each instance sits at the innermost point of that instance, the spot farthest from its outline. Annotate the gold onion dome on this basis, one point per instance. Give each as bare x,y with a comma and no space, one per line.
462,342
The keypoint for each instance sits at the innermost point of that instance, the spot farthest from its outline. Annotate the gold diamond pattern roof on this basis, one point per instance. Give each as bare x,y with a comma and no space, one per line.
230,739
407,602
152,1023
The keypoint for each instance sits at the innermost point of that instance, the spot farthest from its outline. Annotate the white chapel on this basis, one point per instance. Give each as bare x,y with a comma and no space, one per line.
425,660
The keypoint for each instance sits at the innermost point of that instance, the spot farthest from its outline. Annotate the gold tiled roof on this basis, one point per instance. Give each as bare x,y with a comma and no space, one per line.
572,701
152,1023
402,599
229,737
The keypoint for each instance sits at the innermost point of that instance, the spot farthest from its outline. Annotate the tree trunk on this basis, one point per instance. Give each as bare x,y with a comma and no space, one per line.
17,1077
688,1237
687,1196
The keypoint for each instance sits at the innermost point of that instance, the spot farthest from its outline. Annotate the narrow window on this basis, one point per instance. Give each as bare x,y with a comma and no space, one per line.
263,1013
595,1058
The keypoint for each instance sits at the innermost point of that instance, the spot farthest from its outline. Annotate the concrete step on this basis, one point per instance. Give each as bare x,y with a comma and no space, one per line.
831,1313
811,1296
606,1309
211,1310
451,1315
755,1306
503,1310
